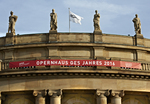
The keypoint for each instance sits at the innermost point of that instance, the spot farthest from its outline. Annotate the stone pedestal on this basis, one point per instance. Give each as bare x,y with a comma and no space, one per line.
10,34
116,97
98,36
53,37
98,32
139,35
55,96
40,96
9,41
139,40
101,96
53,31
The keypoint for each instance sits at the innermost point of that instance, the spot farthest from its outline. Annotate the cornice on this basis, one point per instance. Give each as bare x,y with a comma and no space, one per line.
76,74
77,44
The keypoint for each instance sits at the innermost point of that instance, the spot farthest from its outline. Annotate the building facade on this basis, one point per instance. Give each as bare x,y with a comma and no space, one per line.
74,84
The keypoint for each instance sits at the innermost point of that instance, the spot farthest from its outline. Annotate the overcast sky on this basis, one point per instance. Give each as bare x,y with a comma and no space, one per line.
116,15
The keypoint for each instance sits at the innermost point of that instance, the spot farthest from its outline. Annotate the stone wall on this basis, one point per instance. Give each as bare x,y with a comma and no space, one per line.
48,82
74,45
74,85
75,37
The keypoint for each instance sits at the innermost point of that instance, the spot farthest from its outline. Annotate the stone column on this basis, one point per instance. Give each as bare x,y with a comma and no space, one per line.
0,65
55,96
116,99
101,96
40,96
2,97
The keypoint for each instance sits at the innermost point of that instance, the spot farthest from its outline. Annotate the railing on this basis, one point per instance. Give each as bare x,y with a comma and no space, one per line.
145,66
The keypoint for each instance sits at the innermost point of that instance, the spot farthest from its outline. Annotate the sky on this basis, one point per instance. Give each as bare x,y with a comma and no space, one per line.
115,15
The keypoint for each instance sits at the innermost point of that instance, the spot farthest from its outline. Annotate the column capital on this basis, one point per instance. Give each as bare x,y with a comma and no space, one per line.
117,93
39,93
55,93
102,92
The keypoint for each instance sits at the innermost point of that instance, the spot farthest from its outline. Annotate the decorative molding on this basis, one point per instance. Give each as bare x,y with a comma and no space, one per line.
22,74
55,93
117,93
39,93
102,92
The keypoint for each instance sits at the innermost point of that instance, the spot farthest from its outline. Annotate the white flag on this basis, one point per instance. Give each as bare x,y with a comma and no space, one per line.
75,18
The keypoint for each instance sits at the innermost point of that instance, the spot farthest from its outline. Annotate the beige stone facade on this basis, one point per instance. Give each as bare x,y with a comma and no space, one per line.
74,85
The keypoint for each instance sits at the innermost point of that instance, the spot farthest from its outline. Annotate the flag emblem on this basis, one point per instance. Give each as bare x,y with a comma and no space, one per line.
75,18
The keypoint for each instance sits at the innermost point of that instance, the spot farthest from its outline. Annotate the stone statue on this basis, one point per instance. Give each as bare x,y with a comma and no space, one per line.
53,23
12,21
137,24
96,21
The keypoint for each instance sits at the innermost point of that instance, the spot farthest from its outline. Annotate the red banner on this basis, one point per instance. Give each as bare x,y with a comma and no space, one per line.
130,65
22,64
75,63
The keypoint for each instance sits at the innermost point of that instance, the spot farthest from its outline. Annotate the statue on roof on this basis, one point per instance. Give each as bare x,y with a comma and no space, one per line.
12,21
53,22
137,24
96,20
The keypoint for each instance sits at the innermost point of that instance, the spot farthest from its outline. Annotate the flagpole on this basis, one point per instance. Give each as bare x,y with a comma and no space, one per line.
69,19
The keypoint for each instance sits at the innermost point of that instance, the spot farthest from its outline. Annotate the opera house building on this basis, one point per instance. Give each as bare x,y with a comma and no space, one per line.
74,68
